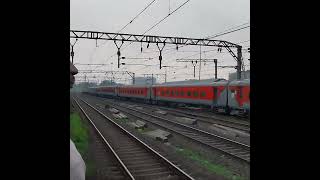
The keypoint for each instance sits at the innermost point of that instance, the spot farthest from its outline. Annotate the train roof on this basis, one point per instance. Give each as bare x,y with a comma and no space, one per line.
211,82
103,86
135,86
240,82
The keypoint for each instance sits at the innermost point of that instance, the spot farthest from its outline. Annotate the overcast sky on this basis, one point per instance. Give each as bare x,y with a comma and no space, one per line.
196,19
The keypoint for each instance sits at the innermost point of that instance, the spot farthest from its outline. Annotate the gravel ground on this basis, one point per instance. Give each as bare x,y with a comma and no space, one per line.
169,150
102,164
235,135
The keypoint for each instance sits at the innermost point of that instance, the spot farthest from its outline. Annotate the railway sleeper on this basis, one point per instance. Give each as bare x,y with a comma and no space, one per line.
129,162
151,170
159,175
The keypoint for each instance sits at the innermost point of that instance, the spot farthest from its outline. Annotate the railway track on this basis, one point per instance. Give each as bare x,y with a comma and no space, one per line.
136,159
241,125
232,148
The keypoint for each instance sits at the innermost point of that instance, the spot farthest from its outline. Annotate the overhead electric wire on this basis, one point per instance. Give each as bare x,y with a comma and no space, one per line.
156,24
166,17
134,17
228,32
137,15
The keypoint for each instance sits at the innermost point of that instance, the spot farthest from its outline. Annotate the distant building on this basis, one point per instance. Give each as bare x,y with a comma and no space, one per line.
145,80
244,75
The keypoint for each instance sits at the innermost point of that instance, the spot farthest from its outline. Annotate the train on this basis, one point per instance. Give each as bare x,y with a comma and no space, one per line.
220,95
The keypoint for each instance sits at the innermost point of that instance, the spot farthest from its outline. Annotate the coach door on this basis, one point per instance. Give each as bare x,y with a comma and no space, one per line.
215,95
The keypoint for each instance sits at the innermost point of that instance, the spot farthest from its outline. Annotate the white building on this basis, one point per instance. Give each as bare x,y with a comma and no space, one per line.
145,81
244,75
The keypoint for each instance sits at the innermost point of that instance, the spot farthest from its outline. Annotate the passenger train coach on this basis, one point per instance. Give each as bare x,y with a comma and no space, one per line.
231,97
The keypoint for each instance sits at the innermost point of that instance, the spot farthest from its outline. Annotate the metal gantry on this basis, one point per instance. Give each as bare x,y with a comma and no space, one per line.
131,74
96,35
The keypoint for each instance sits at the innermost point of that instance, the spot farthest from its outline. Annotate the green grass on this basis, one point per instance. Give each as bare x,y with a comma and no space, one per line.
79,135
143,130
210,166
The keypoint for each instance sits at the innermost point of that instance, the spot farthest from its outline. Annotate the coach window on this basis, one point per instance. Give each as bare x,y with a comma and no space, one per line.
182,93
189,93
172,93
195,93
168,92
202,94
177,93
162,93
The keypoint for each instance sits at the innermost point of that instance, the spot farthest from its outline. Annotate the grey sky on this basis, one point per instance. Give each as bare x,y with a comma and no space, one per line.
196,19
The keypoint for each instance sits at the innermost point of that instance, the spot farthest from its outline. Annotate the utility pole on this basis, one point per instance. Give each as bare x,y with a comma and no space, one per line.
239,59
165,76
215,68
194,64
200,63
152,79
